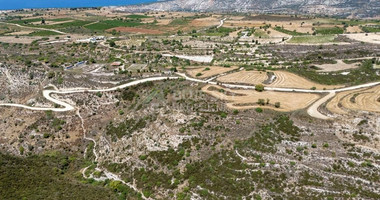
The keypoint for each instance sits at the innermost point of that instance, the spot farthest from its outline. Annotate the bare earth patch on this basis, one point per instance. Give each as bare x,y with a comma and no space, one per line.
354,29
213,70
247,99
365,37
208,21
21,32
340,65
21,40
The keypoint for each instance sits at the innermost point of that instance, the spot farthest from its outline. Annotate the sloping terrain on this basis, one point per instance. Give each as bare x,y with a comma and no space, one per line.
366,8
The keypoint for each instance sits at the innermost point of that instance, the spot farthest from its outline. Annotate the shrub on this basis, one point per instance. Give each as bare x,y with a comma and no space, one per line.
261,102
259,87
223,115
277,104
259,110
99,94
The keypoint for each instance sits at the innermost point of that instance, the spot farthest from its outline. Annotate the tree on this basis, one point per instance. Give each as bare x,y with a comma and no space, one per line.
51,75
113,32
112,44
259,87
261,102
277,104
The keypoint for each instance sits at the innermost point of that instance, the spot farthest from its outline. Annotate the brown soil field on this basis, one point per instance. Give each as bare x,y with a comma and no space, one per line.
283,80
354,29
214,70
274,33
358,100
208,21
290,80
246,77
340,65
163,21
293,25
135,30
275,18
247,99
234,34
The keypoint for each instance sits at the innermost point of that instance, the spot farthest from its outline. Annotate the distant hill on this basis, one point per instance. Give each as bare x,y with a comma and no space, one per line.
344,8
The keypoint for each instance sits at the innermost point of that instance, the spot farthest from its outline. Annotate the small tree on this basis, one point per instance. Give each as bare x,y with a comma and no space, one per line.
277,104
259,110
261,102
112,44
259,87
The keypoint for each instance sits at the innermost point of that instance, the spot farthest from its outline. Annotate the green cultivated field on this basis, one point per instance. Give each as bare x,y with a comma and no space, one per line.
43,33
294,33
328,31
369,29
104,25
138,16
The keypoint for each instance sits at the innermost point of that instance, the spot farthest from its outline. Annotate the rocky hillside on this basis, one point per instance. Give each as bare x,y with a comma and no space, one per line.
347,8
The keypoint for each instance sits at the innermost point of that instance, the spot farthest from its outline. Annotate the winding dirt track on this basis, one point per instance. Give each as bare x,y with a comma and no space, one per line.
312,110
36,28
68,107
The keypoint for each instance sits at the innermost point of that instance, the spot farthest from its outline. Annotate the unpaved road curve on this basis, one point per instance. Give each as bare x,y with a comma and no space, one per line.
312,110
68,107
36,28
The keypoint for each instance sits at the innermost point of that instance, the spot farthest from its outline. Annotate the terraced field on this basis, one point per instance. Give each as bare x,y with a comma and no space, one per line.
248,99
358,100
206,72
245,77
283,79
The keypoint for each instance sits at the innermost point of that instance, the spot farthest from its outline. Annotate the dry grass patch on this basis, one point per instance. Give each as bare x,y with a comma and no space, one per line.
202,22
358,100
209,71
21,40
364,37
283,80
289,80
21,32
245,77
339,66
354,29
247,99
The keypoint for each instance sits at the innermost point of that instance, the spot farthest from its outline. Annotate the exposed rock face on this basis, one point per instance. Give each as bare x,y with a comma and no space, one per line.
352,8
